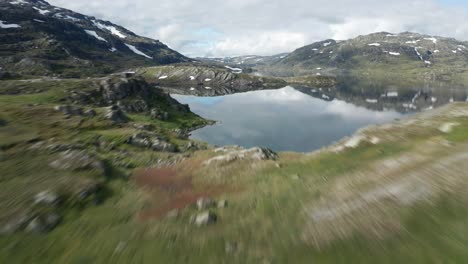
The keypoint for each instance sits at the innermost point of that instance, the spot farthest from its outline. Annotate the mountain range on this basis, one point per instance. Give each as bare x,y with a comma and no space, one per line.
40,39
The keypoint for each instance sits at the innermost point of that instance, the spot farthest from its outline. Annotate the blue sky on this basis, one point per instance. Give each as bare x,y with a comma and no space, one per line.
267,27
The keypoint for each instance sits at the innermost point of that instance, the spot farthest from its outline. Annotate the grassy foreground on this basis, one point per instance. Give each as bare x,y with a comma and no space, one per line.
390,194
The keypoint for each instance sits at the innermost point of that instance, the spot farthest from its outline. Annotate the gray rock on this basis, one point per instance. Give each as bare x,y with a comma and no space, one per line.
205,203
151,140
3,122
47,198
114,113
16,224
222,204
146,127
69,109
43,224
77,160
160,145
158,114
89,113
204,218
141,140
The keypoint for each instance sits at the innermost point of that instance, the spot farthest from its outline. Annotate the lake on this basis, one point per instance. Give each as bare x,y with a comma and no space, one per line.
283,120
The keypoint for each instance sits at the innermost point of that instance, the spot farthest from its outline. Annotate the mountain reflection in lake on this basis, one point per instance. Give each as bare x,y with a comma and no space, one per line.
283,120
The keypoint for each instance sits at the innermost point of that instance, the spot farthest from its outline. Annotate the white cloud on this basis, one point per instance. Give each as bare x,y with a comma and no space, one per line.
234,27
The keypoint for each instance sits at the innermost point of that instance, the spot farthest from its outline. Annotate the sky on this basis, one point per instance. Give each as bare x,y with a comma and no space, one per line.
214,28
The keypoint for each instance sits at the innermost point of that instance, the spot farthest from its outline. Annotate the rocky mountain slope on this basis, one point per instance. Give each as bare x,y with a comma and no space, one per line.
407,54
37,38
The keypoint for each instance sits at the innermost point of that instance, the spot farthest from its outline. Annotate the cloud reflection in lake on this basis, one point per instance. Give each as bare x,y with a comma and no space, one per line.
283,119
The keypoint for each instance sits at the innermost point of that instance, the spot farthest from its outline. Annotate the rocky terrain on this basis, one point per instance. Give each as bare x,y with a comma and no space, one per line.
206,80
101,169
40,39
409,57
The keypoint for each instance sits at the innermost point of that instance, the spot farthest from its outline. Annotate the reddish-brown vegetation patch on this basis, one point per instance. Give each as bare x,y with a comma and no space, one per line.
172,190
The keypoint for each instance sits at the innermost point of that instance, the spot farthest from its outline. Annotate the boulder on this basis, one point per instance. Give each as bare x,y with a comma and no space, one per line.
158,114
151,140
236,153
77,160
89,113
141,140
69,109
41,224
204,218
47,198
16,224
222,204
161,145
116,115
133,106
205,203
3,122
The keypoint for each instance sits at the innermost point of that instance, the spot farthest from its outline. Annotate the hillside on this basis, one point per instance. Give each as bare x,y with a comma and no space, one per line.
412,55
98,170
37,38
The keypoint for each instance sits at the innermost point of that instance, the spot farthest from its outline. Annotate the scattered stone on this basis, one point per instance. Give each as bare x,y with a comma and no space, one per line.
141,140
160,115
222,204
256,153
204,218
231,247
77,160
146,127
87,191
47,198
16,224
447,127
296,177
205,203
151,140
181,133
160,145
43,224
69,110
3,122
172,214
89,113
114,113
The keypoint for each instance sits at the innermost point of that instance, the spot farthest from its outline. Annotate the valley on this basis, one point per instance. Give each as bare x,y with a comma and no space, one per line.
116,148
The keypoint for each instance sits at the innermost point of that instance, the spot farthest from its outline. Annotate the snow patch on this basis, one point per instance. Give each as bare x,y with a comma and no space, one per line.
18,2
41,11
327,44
163,77
372,101
192,78
112,49
392,94
95,35
192,89
235,70
38,20
207,80
447,127
136,51
112,29
3,25
434,40
394,53
374,44
208,88
436,51
427,62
